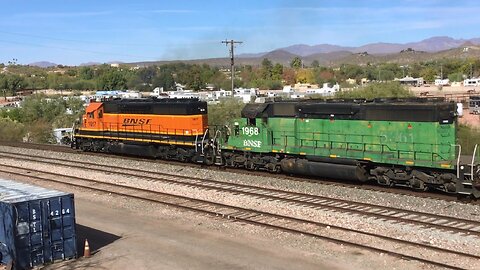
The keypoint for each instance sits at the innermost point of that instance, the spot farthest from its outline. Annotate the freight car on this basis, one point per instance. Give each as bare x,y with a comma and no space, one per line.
408,143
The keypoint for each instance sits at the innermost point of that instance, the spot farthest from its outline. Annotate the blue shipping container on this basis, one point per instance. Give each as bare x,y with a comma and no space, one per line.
37,225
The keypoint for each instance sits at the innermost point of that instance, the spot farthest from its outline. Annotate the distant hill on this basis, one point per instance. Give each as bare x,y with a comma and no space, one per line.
43,64
433,48
338,58
433,44
305,50
280,56
98,63
90,64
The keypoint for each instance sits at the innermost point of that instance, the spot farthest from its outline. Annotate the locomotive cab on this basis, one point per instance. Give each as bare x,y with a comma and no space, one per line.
93,116
249,134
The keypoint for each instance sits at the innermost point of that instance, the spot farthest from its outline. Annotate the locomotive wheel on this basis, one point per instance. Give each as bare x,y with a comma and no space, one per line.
249,165
182,158
209,157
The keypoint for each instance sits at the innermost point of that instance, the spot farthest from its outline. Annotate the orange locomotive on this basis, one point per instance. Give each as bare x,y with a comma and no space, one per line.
165,128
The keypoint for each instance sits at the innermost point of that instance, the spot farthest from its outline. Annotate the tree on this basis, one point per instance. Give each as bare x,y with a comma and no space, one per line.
315,64
222,113
277,72
164,79
147,74
248,75
351,71
71,72
296,62
86,73
3,85
428,74
288,76
456,77
305,76
14,83
267,67
323,76
11,130
194,80
112,79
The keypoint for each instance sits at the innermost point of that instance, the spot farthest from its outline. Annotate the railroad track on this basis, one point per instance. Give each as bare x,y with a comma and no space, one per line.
435,195
412,251
393,214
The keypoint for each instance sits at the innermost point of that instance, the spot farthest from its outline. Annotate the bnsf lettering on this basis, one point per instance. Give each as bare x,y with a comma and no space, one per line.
251,143
133,121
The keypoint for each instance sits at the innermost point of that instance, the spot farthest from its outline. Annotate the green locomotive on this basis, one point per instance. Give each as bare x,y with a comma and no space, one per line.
394,142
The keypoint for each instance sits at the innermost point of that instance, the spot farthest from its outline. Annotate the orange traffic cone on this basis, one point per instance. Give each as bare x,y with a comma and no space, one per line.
86,250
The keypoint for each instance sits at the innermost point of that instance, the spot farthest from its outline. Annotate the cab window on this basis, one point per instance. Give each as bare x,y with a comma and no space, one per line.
236,129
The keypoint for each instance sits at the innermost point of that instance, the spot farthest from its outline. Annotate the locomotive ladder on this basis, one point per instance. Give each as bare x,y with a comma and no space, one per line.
465,183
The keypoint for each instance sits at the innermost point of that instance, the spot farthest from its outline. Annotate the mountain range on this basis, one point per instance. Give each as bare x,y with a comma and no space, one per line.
433,44
431,49
330,55
43,64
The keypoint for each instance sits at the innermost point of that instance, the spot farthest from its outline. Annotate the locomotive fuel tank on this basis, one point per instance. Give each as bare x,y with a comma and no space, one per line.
328,170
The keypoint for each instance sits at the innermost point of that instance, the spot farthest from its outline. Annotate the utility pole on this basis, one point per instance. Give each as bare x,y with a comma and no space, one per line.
232,61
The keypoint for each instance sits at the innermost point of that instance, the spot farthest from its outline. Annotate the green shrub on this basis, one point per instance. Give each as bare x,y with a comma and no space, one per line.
377,90
467,138
11,130
222,113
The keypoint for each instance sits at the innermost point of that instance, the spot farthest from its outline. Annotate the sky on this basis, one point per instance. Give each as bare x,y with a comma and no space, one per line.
73,32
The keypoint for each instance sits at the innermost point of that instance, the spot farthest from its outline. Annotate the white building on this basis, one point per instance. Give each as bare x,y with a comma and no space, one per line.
325,90
216,95
471,82
410,81
246,95
180,87
117,94
298,95
441,82
287,89
183,94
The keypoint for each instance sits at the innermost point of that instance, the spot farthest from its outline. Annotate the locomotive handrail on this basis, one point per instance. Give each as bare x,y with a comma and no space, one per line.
196,143
473,160
203,139
215,139
458,158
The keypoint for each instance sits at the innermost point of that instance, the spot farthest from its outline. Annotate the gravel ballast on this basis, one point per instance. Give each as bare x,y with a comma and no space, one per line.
458,242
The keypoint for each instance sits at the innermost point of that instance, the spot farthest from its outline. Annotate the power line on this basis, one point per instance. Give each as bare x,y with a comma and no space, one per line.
71,49
232,57
152,44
